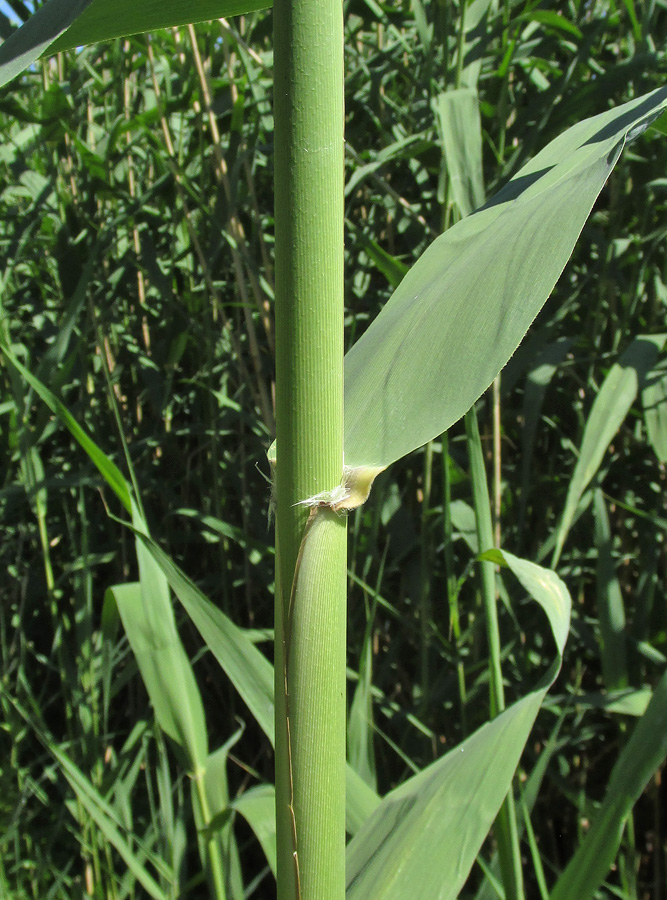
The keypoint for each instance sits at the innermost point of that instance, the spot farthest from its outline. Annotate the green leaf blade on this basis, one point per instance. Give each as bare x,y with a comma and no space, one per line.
611,406
64,24
462,310
104,20
36,36
165,670
641,757
424,836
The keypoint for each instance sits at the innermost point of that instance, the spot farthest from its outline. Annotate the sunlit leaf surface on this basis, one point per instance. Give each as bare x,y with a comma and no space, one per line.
462,310
424,836
62,24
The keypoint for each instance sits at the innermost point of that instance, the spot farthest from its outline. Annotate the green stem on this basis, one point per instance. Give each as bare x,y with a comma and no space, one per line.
505,827
425,585
310,611
452,586
215,866
484,525
460,45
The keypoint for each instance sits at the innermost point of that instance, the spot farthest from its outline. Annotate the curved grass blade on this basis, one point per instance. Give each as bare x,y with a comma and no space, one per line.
148,620
249,671
145,608
610,407
641,757
461,136
654,400
258,808
360,729
107,469
462,310
423,838
610,605
247,668
215,823
33,39
63,24
107,19
102,813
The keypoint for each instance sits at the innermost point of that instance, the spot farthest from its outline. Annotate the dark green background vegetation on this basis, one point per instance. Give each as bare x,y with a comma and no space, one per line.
136,281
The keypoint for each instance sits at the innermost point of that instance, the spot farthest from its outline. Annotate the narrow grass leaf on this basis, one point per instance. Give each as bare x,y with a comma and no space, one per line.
654,401
463,520
64,24
104,818
393,151
109,627
552,20
611,609
461,311
165,669
106,19
629,702
145,610
100,810
55,354
174,679
258,808
610,407
473,40
107,469
537,382
221,820
423,838
640,759
34,38
249,671
360,730
247,668
461,136
392,268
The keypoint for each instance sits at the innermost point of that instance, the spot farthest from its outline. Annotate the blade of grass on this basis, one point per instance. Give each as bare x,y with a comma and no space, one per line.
507,835
610,407
610,606
101,812
360,724
165,670
148,619
654,401
640,758
424,836
215,823
109,471
247,668
258,808
249,671
65,24
461,136
454,321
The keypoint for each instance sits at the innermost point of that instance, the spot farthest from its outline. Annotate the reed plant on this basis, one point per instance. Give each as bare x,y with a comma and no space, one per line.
453,321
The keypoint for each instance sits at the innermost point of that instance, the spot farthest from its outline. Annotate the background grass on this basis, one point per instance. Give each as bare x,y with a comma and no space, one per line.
136,236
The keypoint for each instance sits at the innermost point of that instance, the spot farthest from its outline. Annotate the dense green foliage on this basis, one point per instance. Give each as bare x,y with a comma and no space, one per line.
136,235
